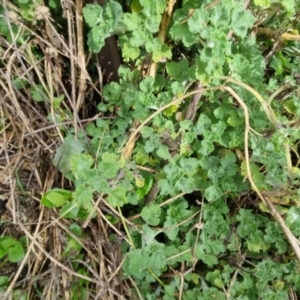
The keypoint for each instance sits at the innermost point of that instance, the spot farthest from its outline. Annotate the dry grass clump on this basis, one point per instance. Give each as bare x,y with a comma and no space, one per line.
45,92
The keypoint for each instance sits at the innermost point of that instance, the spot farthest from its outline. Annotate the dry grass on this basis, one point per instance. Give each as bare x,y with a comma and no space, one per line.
52,58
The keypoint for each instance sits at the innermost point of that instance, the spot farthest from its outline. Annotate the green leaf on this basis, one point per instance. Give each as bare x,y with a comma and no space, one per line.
142,191
56,198
135,6
256,242
166,188
72,248
4,280
129,52
151,8
57,101
117,197
179,31
138,38
147,131
215,278
6,242
80,163
289,5
55,4
182,33
38,93
176,214
110,164
209,65
293,220
82,194
220,15
112,14
146,85
148,236
136,262
13,248
158,49
242,20
228,165
3,251
213,193
198,21
92,14
96,38
76,229
262,3
179,70
206,147
132,21
163,152
257,176
16,252
141,157
170,290
20,83
151,214
208,259
202,125
190,165
65,151
139,261
69,210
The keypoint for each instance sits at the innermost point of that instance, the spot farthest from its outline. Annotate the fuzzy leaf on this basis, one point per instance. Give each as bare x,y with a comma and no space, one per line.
92,14
117,197
151,214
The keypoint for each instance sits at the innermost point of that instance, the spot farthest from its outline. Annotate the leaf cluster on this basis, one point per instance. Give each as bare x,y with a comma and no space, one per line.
205,222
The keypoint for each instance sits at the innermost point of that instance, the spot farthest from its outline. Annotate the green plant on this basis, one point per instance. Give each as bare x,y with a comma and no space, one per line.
195,226
12,248
17,294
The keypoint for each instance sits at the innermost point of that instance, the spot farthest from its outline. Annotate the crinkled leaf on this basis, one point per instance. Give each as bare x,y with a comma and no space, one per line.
92,14
112,14
96,37
163,152
117,197
151,214
110,164
132,21
148,236
208,259
80,163
179,70
158,49
182,33
153,7
242,20
293,220
129,52
206,147
198,21
213,193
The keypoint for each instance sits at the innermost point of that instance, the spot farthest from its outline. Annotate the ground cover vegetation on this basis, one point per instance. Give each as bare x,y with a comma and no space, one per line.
149,149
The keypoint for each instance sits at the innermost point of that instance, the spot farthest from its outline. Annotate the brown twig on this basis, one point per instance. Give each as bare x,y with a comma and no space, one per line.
80,55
